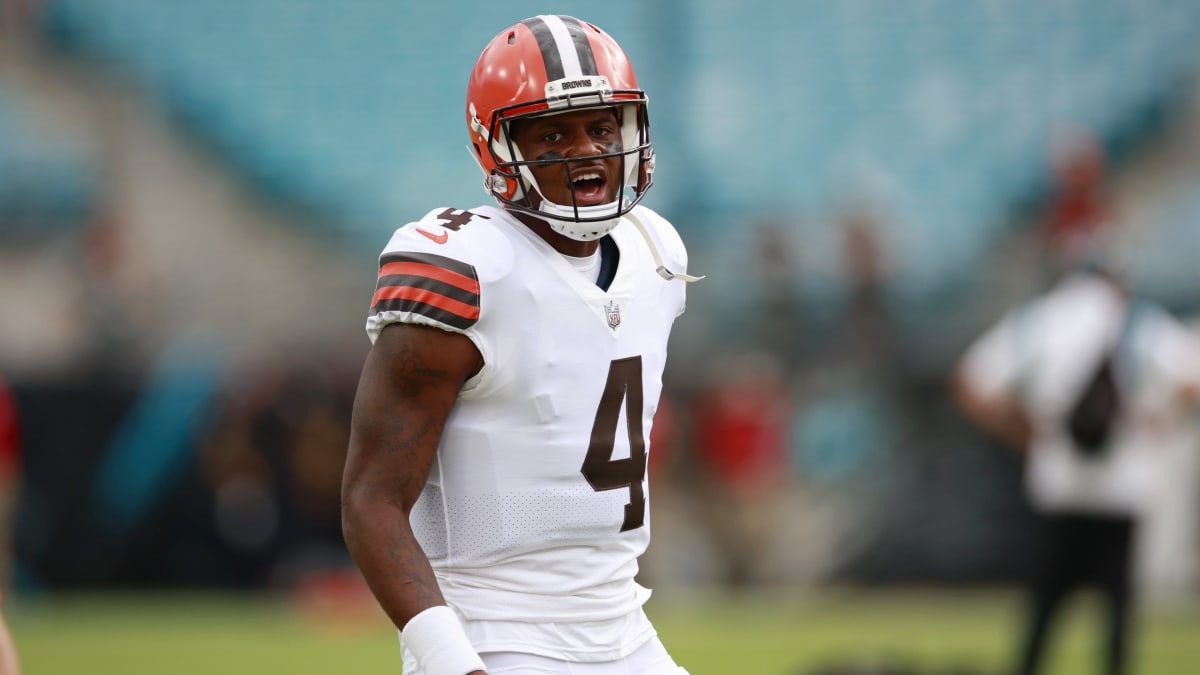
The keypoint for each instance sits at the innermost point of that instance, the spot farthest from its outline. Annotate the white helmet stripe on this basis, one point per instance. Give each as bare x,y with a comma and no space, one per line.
565,45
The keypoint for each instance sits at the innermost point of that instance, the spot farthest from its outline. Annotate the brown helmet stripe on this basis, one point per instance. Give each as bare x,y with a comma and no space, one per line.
565,48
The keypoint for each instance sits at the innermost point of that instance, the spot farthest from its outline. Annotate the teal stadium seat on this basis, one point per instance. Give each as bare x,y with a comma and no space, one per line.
354,112
48,185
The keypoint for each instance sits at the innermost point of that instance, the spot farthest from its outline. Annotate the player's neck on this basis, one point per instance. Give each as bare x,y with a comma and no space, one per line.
561,243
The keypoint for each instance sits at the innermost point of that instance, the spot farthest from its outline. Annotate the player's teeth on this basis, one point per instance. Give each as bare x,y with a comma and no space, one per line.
587,176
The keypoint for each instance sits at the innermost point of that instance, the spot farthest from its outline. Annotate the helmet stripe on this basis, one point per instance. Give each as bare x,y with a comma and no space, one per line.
583,48
564,45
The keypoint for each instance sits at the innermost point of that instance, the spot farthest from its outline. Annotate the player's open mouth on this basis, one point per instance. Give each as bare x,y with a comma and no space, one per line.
588,188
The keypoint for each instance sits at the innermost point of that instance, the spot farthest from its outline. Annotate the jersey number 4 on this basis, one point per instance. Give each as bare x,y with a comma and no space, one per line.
599,468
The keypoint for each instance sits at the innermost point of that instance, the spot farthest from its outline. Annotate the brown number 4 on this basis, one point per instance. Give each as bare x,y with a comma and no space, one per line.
599,468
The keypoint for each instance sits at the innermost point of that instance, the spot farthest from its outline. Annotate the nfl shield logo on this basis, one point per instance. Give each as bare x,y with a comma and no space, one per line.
613,311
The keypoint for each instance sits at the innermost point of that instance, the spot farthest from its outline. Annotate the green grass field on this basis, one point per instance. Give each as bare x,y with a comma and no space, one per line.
784,634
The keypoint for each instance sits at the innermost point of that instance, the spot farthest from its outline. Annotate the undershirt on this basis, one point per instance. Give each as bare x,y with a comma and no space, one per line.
588,266
600,267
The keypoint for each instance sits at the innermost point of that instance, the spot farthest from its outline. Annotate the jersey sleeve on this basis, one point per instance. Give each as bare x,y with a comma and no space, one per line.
993,363
1172,349
425,277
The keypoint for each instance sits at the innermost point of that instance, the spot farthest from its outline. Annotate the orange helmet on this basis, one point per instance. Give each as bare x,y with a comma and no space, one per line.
542,66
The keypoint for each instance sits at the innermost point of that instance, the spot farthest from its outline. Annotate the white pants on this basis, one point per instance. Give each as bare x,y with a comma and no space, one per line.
649,659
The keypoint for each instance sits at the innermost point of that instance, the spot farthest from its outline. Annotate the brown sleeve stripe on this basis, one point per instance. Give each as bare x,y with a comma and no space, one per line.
449,264
434,286
404,269
426,303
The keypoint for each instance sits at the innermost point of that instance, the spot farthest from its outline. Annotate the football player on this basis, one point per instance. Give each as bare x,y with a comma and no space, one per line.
494,494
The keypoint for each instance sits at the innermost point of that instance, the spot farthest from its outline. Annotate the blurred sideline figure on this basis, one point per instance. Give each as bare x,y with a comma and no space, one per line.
740,440
1080,212
9,663
1087,382
9,484
494,493
10,476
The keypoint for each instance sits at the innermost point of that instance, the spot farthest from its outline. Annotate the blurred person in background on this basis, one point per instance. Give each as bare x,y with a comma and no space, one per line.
740,440
1079,211
495,490
10,475
866,331
274,486
10,664
1087,382
10,471
777,327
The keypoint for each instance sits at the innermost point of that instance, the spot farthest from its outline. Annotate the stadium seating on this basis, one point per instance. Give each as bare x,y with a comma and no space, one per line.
47,184
1164,266
356,114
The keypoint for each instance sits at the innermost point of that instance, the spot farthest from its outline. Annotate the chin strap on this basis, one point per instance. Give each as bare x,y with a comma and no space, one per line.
661,269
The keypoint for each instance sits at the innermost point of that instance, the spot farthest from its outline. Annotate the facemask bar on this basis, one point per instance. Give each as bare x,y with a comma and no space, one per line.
637,157
573,211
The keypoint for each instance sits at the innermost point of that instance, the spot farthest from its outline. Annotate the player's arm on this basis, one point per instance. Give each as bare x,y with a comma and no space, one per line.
409,384
9,663
999,415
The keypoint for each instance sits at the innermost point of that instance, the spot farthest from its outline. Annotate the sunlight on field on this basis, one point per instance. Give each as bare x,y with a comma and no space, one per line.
931,630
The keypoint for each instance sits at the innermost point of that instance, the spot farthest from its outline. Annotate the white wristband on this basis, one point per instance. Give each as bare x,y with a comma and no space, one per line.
436,639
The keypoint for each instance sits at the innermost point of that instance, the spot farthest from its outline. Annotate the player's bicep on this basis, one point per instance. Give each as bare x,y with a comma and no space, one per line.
409,385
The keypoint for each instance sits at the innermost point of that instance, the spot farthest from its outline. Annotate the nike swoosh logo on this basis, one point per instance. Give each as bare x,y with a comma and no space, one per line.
436,238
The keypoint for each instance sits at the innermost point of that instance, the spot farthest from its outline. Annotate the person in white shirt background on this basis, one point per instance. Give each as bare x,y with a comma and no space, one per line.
1090,482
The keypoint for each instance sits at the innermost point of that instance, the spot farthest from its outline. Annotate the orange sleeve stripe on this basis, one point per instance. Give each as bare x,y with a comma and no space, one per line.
428,297
431,271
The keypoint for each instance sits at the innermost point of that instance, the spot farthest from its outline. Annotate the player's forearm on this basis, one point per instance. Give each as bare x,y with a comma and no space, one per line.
392,562
379,538
1011,428
999,417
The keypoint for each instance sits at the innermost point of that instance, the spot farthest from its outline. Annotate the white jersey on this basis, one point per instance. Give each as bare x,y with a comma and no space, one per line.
1044,354
536,508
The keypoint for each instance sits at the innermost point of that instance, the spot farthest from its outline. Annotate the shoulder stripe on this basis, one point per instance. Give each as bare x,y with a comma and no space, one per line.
431,283
456,266
408,269
433,286
426,303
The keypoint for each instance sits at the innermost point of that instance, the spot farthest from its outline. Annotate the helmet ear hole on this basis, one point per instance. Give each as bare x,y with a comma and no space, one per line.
512,37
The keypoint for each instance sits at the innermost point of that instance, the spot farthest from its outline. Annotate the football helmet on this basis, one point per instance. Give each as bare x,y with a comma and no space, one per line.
545,65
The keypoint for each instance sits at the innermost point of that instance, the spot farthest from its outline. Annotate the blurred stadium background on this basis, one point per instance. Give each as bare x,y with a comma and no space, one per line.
193,194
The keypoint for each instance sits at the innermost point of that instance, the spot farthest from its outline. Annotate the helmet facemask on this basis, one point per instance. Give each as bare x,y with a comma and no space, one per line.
512,180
